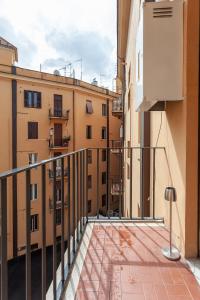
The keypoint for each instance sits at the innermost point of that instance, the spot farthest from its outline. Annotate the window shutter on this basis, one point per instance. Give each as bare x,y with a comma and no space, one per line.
89,108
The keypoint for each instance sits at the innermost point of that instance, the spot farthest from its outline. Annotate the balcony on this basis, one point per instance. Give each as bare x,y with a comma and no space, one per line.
62,145
58,204
116,147
117,108
110,256
58,173
59,114
116,187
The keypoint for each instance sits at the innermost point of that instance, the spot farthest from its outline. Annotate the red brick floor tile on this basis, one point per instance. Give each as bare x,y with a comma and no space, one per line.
126,262
85,295
131,287
177,289
161,292
89,286
128,296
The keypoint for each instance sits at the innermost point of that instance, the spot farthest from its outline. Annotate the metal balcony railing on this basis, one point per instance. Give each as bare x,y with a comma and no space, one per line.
58,173
59,114
116,146
117,106
136,197
64,143
58,204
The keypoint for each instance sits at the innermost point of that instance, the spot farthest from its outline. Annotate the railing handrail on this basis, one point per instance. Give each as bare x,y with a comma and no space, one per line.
16,171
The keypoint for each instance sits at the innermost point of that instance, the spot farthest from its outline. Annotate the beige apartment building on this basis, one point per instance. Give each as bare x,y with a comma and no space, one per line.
172,124
41,116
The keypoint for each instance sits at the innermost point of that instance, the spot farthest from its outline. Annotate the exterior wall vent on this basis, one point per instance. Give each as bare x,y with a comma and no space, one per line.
159,54
162,12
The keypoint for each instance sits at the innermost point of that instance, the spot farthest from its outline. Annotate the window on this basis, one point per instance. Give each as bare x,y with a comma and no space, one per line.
57,105
89,108
32,99
33,191
89,181
34,247
104,133
104,155
32,157
89,206
103,177
88,131
89,156
58,191
34,223
32,130
58,216
104,110
103,200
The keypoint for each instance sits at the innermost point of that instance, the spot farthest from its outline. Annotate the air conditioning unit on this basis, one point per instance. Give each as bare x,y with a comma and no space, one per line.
159,54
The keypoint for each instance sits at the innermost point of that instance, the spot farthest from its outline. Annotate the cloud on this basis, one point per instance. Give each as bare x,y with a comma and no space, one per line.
27,49
95,49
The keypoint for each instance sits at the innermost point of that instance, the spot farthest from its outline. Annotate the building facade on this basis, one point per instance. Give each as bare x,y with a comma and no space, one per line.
173,126
44,115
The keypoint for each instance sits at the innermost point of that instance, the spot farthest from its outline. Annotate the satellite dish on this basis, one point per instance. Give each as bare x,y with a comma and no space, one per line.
56,72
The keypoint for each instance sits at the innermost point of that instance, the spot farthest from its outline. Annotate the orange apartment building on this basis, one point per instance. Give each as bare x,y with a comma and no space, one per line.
44,115
158,55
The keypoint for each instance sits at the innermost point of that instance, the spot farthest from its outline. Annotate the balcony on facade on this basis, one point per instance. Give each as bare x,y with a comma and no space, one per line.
59,114
58,173
58,204
117,107
62,144
116,147
109,250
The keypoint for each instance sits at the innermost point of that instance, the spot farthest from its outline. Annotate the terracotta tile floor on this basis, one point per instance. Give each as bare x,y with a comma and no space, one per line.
125,262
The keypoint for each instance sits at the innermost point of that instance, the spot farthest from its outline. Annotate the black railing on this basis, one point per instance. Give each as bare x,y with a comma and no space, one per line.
58,172
59,113
110,178
117,106
64,143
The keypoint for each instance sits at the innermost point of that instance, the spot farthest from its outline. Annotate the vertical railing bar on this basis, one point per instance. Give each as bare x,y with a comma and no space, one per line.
154,155
28,236
4,266
73,202
77,197
131,182
120,185
141,182
68,212
81,192
43,232
54,232
107,180
62,223
84,189
98,196
86,168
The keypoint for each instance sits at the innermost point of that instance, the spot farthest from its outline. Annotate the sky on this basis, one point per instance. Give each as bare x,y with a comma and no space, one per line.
57,33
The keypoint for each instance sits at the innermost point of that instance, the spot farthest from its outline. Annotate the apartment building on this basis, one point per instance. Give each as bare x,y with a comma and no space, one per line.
44,115
173,123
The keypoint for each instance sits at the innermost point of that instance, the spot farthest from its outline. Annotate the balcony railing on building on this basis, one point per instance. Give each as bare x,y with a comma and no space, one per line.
116,147
58,173
128,185
117,107
116,187
61,144
58,204
59,114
